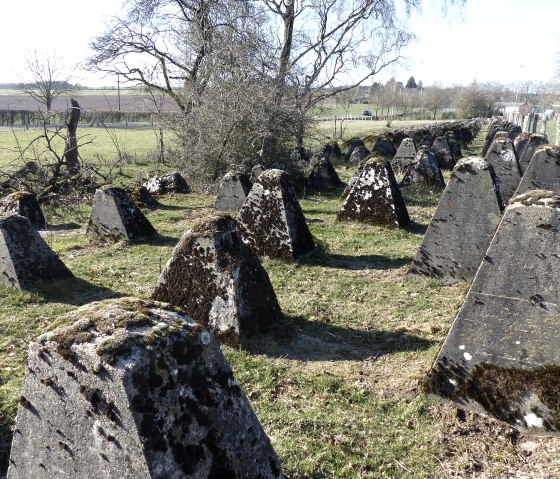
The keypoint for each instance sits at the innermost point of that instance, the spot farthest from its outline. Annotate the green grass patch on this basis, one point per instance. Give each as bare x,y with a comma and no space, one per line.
337,385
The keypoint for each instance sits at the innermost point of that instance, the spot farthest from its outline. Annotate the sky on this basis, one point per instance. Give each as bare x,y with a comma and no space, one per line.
507,41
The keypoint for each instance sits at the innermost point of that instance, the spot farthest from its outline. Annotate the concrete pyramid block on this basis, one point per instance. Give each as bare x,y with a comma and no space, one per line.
133,389
501,155
219,282
383,146
233,191
375,197
405,155
115,217
535,140
353,144
463,225
168,183
25,258
520,142
454,146
322,173
425,169
24,204
359,154
256,172
543,172
443,154
271,221
501,356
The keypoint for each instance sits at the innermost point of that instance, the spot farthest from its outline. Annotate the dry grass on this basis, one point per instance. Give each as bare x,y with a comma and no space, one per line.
338,385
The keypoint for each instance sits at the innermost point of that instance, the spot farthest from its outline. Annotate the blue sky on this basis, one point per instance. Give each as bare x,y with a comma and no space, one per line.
490,40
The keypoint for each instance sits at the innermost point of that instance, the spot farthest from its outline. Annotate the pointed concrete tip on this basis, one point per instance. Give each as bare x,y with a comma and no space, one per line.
535,198
473,162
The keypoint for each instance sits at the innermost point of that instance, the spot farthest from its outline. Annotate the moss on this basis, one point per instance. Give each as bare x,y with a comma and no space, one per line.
500,391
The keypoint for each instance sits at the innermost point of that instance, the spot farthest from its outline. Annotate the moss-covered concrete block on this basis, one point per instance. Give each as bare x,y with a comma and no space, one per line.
271,221
24,204
375,197
134,389
219,282
501,356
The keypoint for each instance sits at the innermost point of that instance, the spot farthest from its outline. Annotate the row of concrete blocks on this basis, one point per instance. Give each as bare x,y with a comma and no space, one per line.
498,225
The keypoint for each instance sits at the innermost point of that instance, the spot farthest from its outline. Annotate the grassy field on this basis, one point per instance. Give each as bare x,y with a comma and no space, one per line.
337,387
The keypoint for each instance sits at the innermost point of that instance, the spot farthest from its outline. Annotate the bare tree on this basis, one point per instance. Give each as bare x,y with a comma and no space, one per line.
48,78
212,58
473,102
324,41
435,98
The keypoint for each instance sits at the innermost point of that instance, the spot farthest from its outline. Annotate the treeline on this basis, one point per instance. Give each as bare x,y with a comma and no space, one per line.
414,101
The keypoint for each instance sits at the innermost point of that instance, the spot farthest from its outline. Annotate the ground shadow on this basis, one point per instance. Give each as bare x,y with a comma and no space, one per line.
417,228
75,291
160,240
62,227
320,257
161,206
299,339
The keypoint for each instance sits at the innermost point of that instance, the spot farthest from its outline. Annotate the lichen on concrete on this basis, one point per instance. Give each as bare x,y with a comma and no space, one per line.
219,282
163,405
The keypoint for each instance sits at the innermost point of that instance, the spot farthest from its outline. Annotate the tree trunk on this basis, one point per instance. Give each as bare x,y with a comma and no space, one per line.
288,18
71,145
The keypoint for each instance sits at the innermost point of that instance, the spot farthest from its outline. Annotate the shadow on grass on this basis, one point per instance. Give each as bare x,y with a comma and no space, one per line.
160,240
74,291
418,228
321,257
62,227
299,339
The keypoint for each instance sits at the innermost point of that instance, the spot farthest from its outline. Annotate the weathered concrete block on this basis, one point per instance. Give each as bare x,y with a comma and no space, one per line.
133,389
425,169
219,282
168,183
501,155
256,172
25,258
466,218
405,155
115,217
141,197
443,154
24,204
454,146
543,172
353,144
501,356
271,221
359,153
535,140
233,191
383,146
375,197
322,173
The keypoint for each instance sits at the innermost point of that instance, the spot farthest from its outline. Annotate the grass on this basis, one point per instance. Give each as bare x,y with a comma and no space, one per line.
337,387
